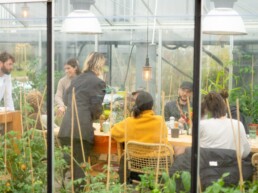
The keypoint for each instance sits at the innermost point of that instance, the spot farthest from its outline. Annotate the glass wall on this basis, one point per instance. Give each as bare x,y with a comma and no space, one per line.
132,32
23,150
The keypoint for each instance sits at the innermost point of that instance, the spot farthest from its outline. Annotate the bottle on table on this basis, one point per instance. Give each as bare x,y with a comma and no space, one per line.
171,124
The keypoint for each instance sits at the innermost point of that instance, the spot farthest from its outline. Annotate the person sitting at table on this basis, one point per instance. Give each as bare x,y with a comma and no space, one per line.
218,144
179,108
214,118
144,126
233,110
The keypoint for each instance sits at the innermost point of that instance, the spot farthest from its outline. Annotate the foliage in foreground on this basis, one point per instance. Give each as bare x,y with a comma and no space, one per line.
23,168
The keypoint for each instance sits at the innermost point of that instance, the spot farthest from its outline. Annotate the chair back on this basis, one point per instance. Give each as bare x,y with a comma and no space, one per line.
255,165
144,157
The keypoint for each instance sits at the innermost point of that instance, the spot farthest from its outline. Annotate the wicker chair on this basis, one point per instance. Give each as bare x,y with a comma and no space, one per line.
255,164
142,156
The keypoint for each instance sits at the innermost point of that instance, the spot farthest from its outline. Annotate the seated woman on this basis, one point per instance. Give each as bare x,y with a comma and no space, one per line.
233,110
144,126
218,145
217,130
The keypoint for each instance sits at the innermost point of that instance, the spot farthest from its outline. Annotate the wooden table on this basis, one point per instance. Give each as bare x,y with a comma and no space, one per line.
254,144
101,140
182,141
12,120
186,141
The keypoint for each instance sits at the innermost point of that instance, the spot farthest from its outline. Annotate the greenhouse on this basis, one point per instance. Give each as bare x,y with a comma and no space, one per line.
128,96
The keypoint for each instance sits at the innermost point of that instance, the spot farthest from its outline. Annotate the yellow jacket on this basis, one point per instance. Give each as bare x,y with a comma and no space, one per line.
146,128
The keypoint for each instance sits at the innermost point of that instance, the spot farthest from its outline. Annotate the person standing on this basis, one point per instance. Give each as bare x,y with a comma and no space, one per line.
6,66
178,108
89,92
72,69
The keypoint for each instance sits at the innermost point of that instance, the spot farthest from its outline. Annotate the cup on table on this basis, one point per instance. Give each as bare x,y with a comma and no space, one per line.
106,127
252,133
174,133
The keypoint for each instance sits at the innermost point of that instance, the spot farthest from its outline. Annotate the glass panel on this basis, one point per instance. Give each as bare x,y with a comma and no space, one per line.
131,32
229,69
23,150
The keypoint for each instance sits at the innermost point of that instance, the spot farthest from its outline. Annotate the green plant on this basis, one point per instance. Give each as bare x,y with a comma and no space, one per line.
180,181
246,92
24,160
97,183
219,187
23,166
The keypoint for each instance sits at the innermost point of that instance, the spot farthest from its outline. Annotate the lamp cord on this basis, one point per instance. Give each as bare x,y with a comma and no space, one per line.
147,30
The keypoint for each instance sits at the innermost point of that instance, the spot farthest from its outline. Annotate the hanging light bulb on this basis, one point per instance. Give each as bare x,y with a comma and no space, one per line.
25,10
147,70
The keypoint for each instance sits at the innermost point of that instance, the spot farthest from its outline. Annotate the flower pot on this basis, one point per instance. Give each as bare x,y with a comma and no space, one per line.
253,126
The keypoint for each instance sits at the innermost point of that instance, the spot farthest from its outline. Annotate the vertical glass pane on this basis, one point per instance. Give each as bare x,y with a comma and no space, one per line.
229,69
133,33
24,147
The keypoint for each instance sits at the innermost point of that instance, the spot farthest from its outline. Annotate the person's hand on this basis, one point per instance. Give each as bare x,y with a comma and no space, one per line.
60,111
181,120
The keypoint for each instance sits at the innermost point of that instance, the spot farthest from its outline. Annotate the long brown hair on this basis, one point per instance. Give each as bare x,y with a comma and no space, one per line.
73,62
214,105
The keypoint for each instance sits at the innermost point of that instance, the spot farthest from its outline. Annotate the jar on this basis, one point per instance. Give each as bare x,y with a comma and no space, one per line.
171,122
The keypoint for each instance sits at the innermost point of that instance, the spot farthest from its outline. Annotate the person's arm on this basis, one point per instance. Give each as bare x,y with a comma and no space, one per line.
118,131
59,99
96,100
8,98
59,94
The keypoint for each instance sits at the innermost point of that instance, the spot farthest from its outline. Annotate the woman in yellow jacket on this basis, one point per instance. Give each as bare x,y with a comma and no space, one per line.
144,126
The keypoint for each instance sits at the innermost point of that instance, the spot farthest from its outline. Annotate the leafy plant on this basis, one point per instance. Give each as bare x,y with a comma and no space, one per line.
24,160
219,187
23,166
180,181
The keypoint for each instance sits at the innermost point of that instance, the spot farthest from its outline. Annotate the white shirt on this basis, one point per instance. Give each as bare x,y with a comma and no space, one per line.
6,92
218,133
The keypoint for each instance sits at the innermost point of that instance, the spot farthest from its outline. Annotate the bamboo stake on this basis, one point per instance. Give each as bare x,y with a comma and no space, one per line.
21,104
125,150
109,143
199,182
237,149
39,104
160,139
252,79
72,133
5,145
31,166
189,113
79,126
80,133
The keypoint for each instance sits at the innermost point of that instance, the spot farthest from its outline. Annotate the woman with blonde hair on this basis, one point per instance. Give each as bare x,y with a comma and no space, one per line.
89,92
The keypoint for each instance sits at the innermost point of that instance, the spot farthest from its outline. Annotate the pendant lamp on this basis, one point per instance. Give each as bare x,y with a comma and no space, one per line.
147,70
223,21
81,21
